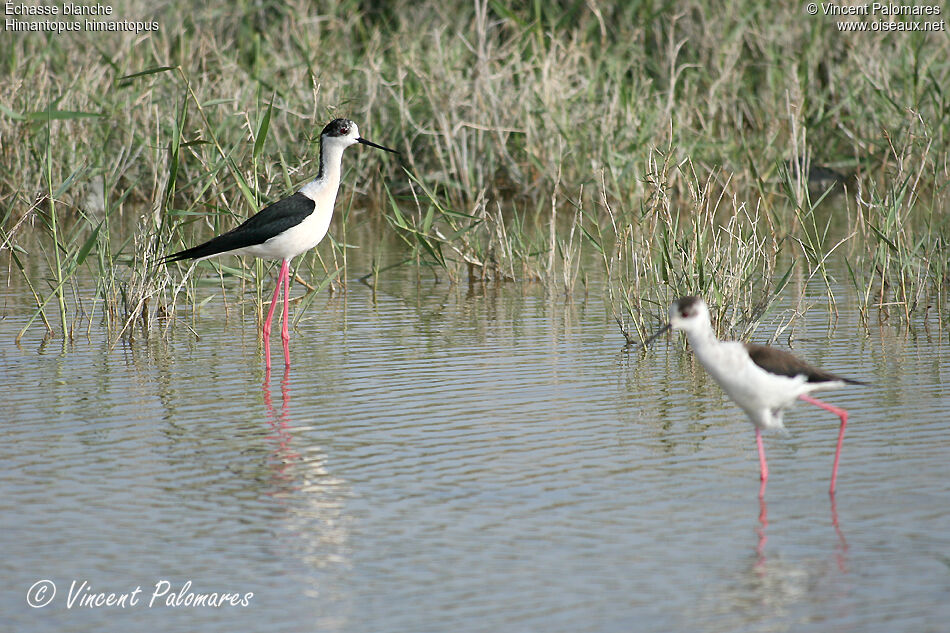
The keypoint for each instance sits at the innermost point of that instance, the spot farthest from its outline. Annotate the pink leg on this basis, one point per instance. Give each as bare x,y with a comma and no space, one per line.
270,315
841,413
763,467
284,334
763,523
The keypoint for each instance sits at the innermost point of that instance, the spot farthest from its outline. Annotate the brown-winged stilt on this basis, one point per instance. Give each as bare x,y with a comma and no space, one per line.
762,380
290,226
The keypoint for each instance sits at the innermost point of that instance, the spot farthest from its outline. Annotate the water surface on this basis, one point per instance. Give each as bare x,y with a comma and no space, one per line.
445,458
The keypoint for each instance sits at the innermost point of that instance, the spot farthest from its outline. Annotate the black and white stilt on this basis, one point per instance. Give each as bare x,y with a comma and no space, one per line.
762,380
290,226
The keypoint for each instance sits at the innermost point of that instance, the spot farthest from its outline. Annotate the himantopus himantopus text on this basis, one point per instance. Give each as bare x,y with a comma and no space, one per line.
290,226
762,380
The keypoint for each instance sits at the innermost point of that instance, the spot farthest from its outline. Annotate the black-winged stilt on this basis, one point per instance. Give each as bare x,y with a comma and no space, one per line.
762,380
290,226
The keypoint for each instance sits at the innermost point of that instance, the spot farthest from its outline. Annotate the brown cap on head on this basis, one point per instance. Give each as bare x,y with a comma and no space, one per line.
686,306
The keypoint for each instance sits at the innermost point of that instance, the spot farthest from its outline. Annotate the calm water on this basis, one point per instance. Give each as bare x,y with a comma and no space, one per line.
455,460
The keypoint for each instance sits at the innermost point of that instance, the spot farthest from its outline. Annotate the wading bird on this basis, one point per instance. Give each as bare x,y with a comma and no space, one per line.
762,380
290,226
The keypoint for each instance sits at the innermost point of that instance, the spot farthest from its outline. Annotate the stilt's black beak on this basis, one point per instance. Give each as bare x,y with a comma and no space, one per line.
371,144
662,330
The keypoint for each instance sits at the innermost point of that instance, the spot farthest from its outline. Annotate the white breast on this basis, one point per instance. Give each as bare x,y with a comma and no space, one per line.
756,391
298,239
306,235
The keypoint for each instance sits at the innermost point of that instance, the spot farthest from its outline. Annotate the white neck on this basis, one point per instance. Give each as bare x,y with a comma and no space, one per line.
702,338
328,178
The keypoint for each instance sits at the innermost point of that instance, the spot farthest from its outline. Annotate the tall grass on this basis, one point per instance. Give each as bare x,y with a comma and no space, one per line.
716,246
902,267
527,137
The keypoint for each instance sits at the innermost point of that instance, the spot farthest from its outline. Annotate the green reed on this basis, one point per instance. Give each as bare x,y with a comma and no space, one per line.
527,138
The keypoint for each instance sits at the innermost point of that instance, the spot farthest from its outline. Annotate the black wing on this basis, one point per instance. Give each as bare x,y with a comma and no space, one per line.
778,361
257,229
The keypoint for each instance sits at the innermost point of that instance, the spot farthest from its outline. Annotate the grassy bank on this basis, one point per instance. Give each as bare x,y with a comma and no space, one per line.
654,140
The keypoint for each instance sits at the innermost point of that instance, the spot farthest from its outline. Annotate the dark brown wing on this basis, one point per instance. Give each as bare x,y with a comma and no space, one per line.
784,363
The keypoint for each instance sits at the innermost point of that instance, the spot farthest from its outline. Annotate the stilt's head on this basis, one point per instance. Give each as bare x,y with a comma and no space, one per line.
344,133
689,314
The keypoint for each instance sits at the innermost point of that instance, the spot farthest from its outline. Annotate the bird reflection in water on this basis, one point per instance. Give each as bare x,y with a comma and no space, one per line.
284,455
763,523
841,548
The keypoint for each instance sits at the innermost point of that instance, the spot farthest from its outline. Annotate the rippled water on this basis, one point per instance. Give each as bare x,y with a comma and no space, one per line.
447,459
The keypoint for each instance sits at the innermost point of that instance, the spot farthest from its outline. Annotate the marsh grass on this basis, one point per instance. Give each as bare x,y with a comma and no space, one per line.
528,139
902,267
479,245
717,247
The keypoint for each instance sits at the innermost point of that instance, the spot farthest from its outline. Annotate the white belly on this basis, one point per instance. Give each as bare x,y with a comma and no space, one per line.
757,392
304,236
296,240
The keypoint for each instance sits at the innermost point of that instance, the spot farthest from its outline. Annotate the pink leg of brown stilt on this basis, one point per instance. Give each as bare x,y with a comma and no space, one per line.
841,413
843,544
270,315
763,537
284,333
763,467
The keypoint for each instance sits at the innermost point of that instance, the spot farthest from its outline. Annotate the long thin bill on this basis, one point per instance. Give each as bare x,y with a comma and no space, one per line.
662,330
371,144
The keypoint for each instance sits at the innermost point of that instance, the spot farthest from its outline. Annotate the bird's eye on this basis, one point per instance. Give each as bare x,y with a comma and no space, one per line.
684,314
